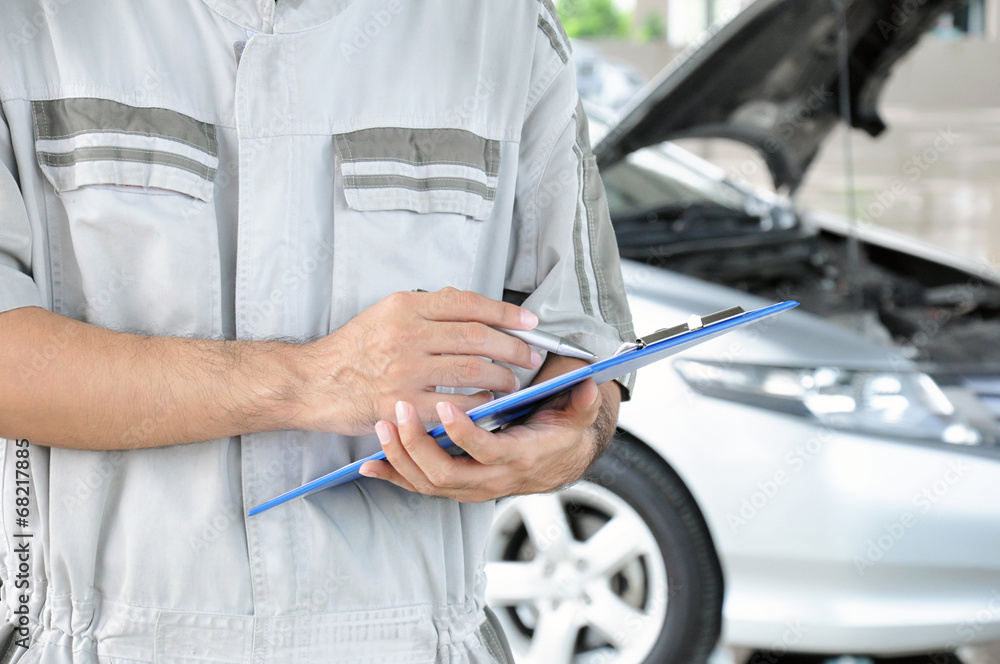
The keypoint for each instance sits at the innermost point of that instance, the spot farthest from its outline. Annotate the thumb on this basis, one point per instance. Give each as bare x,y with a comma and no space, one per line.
584,399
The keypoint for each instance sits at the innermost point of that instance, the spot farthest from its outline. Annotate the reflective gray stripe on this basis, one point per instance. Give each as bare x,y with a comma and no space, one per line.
598,217
578,255
582,128
550,32
126,154
420,147
558,22
419,184
610,313
595,258
65,118
583,141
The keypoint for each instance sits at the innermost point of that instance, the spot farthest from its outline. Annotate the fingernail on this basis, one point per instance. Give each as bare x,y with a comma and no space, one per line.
382,431
445,412
402,412
517,383
366,471
536,359
528,319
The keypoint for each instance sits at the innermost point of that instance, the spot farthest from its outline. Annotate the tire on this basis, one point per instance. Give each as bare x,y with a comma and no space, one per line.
617,568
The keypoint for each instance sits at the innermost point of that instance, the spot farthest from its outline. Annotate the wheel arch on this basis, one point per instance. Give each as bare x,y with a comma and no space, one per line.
639,452
623,434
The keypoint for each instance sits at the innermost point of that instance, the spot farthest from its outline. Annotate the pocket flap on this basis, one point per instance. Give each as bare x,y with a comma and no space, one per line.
423,170
86,141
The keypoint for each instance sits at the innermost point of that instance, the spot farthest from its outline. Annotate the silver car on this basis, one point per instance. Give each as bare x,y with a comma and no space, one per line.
824,482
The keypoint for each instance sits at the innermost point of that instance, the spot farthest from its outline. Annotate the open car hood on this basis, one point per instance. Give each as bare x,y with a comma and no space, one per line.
770,78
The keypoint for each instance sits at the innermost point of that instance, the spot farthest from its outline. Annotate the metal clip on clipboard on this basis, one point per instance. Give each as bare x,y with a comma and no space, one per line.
693,323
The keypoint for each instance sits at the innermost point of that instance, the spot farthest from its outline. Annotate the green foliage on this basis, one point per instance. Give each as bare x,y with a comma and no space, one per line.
653,27
594,18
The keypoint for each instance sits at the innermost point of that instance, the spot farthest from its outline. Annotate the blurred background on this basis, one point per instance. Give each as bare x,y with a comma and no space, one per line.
952,80
822,489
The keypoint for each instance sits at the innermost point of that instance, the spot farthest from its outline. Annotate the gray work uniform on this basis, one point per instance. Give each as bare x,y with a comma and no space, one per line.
252,170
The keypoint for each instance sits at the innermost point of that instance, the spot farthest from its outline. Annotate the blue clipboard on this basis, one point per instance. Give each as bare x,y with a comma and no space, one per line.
506,409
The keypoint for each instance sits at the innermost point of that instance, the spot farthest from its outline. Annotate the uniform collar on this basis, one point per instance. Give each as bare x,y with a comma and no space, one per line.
266,16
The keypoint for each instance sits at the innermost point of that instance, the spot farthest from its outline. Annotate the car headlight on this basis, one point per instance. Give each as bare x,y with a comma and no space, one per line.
906,404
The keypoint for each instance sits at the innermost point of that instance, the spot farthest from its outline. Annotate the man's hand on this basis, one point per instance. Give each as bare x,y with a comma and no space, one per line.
70,384
404,346
554,447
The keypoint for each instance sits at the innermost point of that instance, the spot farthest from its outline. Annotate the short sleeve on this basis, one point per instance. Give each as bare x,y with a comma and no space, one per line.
17,288
565,252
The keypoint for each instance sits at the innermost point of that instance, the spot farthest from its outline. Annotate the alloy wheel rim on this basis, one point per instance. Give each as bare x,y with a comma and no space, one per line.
576,576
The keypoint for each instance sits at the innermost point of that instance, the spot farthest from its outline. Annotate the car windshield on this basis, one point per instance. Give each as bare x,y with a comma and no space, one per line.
661,179
658,180
664,200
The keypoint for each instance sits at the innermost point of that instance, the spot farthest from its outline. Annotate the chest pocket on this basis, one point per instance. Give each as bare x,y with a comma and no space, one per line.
131,220
421,170
413,209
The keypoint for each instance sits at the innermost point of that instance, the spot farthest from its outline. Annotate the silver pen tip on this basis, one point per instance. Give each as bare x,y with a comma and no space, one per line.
570,349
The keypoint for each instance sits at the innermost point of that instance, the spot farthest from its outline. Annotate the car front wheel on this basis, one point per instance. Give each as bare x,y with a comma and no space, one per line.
618,568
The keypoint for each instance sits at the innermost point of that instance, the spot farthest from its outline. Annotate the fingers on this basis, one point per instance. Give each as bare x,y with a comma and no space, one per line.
469,371
383,470
420,464
449,304
479,339
481,445
535,458
425,463
582,407
584,402
426,404
410,476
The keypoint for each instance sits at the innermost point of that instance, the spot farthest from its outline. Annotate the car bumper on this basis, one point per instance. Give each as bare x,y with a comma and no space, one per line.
833,541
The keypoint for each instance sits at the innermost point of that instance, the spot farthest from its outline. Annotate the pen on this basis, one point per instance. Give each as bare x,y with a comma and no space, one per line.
551,343
545,341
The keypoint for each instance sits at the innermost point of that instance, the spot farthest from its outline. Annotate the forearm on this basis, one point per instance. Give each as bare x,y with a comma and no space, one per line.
69,384
65,383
